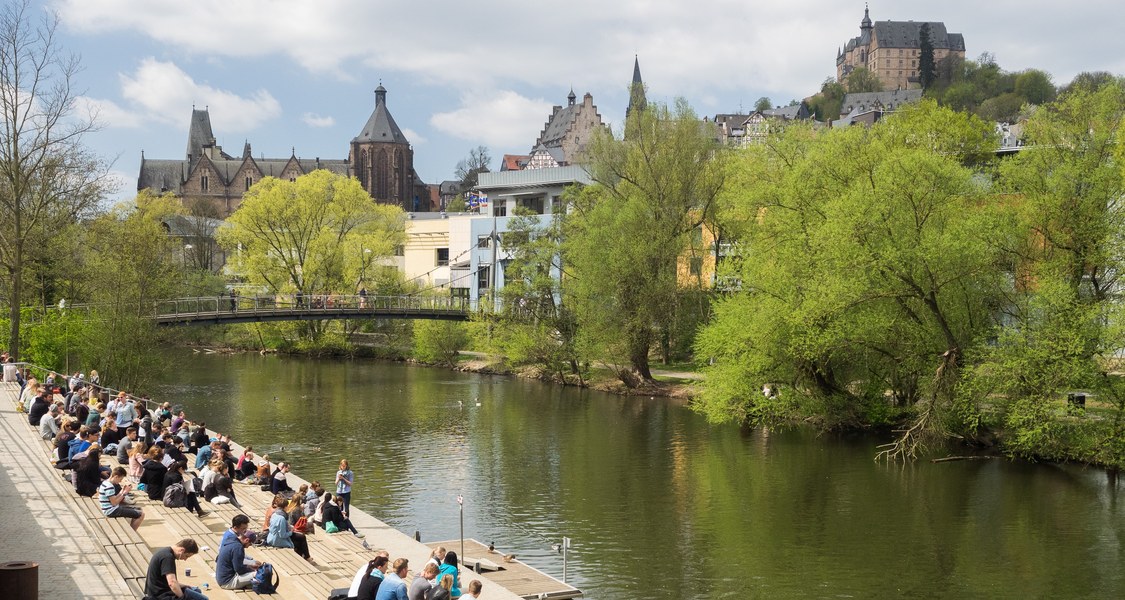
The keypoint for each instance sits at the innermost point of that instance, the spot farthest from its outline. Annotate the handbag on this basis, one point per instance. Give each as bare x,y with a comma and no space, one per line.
301,524
330,527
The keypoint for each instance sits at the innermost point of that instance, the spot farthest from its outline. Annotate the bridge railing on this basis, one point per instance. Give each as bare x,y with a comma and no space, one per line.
307,303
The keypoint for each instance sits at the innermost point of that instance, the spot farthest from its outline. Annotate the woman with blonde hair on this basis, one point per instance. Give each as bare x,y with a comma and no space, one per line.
444,589
344,480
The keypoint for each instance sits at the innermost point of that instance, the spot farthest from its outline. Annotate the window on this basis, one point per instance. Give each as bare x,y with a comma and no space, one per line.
535,205
400,250
203,183
483,241
442,257
500,210
249,182
695,266
697,236
483,278
556,205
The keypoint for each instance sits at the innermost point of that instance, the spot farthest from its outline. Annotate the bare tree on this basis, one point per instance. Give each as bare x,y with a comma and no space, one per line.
470,167
45,170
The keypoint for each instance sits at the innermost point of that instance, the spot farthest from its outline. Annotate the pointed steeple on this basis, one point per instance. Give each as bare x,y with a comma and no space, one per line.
866,22
246,150
570,98
637,99
199,134
381,126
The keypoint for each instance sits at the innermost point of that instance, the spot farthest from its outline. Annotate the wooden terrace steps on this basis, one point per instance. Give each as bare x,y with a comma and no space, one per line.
517,577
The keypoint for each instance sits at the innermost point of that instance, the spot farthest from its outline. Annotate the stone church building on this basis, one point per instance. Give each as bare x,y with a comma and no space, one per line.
891,50
380,157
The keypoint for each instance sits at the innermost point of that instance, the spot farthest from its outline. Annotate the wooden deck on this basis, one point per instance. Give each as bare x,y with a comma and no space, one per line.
523,580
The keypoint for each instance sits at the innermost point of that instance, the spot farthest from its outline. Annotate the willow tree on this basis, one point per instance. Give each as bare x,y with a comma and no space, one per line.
623,235
47,175
321,233
870,263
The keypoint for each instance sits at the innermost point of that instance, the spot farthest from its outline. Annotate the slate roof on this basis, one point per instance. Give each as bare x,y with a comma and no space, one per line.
162,175
561,119
199,133
887,100
796,111
905,34
381,126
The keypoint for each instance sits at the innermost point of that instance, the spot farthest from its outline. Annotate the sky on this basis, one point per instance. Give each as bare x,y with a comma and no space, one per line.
299,75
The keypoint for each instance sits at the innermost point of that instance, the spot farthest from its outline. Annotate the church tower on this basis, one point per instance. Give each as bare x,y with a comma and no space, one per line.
382,158
637,99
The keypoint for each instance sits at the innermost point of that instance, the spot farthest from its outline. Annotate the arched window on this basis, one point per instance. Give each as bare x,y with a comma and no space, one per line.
363,169
382,176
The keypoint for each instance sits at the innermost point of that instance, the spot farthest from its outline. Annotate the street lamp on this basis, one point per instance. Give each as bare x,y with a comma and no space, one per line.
187,252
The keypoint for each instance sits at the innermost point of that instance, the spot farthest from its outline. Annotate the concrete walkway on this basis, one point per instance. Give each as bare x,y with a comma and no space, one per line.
41,521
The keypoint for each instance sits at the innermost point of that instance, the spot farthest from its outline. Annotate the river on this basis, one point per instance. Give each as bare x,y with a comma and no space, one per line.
658,502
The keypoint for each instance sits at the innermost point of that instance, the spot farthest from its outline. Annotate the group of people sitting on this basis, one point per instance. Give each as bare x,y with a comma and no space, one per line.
380,579
152,449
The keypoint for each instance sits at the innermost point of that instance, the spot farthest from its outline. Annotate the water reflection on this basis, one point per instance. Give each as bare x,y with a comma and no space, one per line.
659,503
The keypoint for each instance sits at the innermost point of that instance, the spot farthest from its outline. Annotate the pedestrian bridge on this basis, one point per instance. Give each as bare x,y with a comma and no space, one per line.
218,310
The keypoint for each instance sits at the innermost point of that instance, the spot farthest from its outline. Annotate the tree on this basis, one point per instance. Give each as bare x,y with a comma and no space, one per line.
625,232
439,342
46,174
826,105
927,71
536,326
318,234
126,281
861,80
1035,86
763,104
870,268
469,168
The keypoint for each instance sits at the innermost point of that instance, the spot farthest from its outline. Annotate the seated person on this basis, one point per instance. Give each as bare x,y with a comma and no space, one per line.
233,569
152,475
111,498
176,475
161,582
278,484
334,515
49,423
87,474
282,535
125,445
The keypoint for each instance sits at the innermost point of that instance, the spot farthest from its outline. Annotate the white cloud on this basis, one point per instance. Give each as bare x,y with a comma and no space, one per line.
164,92
107,113
315,120
414,137
498,119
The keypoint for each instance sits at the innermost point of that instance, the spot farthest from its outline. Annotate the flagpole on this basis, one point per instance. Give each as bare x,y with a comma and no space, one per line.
461,505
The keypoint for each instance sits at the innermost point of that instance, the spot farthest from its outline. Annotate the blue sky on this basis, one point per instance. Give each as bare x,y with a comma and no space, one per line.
300,74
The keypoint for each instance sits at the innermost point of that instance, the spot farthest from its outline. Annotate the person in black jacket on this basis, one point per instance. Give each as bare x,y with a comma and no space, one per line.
39,407
153,475
87,475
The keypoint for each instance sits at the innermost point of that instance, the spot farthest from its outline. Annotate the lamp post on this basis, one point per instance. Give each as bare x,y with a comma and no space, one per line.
187,253
66,334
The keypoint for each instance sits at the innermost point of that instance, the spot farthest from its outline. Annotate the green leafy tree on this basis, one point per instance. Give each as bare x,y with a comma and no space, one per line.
763,104
826,105
131,265
869,268
535,326
318,234
625,232
439,342
1035,86
47,176
861,80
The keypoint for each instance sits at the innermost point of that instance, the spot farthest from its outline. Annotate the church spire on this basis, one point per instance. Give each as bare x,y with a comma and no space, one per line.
637,99
866,22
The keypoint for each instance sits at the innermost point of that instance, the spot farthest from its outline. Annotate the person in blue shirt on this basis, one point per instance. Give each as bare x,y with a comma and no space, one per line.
233,569
394,584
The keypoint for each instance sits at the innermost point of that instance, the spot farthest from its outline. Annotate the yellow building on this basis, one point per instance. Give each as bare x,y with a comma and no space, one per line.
891,50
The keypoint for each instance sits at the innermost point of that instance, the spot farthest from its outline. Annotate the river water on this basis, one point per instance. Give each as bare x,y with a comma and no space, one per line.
659,503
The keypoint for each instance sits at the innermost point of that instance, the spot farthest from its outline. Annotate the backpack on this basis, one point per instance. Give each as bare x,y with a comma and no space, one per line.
175,496
265,580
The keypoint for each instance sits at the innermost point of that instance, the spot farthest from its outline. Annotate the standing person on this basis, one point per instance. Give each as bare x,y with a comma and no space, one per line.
233,569
344,480
111,499
421,586
394,584
161,582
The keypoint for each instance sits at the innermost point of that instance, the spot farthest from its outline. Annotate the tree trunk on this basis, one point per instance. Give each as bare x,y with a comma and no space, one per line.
14,308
